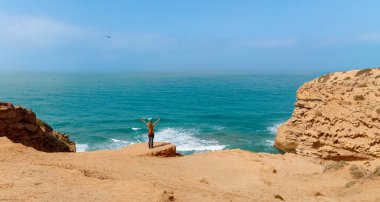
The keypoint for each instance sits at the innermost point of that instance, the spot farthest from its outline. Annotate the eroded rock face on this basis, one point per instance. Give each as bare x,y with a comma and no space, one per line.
336,116
22,126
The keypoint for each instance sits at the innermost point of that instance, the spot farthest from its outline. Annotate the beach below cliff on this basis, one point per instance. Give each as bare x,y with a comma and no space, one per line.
132,174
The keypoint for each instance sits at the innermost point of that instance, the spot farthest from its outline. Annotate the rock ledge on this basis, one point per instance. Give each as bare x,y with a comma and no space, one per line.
162,149
22,126
336,116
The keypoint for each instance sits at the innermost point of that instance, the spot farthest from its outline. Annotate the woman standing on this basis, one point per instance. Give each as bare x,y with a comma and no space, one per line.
150,126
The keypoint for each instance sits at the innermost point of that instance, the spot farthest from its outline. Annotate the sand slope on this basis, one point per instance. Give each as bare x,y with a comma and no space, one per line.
121,175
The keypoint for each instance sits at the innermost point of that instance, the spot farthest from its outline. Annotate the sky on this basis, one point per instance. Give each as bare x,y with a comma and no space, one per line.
287,36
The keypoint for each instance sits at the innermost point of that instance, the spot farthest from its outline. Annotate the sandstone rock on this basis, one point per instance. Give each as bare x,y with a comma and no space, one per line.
336,116
163,149
22,126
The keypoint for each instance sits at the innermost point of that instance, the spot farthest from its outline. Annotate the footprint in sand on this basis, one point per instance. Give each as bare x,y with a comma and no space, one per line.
203,181
168,196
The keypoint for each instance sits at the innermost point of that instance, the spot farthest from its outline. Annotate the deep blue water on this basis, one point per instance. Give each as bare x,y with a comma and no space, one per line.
198,112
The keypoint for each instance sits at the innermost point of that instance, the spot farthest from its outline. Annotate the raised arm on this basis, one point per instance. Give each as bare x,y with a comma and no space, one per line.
158,120
142,120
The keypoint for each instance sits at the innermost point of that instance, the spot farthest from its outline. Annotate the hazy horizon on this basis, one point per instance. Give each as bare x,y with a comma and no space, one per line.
126,72
256,37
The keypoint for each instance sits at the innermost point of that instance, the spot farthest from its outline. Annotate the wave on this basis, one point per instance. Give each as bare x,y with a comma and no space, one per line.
219,128
116,143
136,128
185,140
273,129
109,144
82,147
269,142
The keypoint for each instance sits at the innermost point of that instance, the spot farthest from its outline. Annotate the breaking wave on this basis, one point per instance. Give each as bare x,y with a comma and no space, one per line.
82,147
186,141
109,144
273,129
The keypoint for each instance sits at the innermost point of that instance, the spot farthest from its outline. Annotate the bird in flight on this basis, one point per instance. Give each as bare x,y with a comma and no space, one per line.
108,36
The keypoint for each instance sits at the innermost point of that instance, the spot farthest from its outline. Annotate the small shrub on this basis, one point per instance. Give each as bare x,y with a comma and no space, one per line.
318,194
43,124
378,110
335,166
324,78
359,98
39,122
365,72
277,196
356,172
376,172
347,78
350,184
363,85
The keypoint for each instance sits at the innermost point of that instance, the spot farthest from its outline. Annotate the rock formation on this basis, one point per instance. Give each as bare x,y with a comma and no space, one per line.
22,126
336,116
162,149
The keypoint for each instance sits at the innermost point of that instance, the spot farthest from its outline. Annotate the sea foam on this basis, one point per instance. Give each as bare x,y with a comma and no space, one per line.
186,141
273,129
82,147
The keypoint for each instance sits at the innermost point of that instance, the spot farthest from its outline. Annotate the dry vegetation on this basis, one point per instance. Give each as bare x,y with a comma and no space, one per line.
335,165
359,98
356,172
366,72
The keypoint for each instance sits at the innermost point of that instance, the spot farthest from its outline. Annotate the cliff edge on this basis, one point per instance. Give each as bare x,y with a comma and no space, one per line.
162,149
22,126
336,116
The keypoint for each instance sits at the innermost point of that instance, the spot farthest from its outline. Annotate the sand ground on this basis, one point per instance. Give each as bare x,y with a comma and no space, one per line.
231,175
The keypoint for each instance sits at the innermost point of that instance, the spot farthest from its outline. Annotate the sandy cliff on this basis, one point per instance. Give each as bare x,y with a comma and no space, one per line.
22,126
131,174
336,116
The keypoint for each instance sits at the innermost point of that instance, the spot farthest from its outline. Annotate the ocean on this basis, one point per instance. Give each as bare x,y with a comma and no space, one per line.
198,112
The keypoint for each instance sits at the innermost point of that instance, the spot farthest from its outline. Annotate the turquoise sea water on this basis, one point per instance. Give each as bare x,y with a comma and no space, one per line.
199,112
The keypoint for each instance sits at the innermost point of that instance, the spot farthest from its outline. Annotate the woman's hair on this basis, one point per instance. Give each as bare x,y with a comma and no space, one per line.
150,123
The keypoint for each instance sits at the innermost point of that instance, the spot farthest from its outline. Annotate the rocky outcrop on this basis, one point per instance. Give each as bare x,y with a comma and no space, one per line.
336,116
22,126
162,149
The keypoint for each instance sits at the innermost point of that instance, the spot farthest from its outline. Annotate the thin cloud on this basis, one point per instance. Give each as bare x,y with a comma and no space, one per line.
325,42
267,43
373,37
36,32
138,42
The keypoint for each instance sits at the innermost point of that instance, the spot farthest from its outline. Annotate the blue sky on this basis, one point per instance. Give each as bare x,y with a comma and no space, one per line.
169,35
